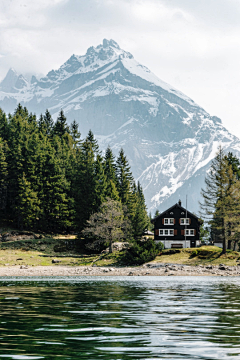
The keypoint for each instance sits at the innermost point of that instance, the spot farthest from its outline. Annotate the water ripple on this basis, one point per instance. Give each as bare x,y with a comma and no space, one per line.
120,318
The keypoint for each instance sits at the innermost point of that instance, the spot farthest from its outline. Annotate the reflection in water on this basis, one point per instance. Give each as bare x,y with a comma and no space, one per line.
120,318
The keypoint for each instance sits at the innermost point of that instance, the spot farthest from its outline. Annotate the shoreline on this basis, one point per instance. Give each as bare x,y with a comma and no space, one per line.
154,269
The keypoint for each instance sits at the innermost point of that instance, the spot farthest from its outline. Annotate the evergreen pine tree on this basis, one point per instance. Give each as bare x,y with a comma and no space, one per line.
235,163
41,124
75,133
48,123
32,120
17,130
27,204
20,111
140,217
3,175
90,138
100,183
109,165
124,180
4,127
84,185
53,192
60,126
221,196
111,176
111,190
126,189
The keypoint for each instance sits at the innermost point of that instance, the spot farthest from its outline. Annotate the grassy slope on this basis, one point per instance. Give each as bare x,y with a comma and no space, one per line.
40,252
34,258
204,255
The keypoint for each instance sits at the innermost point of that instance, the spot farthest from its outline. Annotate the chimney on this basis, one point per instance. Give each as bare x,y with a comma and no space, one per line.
179,203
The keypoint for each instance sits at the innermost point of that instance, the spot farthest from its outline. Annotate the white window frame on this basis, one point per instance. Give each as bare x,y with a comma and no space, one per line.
185,221
187,232
167,221
166,232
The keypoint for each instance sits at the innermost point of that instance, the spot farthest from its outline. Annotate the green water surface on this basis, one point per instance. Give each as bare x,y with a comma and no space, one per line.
120,318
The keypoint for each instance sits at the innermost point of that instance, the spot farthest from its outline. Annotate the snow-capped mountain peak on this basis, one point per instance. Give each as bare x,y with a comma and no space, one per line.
110,43
9,81
169,139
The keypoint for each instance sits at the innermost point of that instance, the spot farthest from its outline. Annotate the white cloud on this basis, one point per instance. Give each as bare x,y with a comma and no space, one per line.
193,45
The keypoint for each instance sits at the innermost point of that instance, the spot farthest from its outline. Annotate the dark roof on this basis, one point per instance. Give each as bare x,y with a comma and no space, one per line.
176,205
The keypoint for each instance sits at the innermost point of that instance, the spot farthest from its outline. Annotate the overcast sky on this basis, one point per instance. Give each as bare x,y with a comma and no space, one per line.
192,45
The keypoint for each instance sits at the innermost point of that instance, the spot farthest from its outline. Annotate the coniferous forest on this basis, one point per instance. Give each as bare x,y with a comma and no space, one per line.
52,180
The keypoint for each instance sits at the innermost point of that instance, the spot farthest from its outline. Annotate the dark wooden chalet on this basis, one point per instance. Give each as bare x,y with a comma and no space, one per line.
177,228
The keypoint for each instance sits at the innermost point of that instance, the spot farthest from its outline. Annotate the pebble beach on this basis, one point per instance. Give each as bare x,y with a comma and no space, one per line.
144,270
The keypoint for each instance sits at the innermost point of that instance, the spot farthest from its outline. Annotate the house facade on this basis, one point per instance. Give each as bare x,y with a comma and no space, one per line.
177,228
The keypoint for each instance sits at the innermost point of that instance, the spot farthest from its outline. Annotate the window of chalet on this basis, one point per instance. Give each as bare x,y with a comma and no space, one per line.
189,232
166,232
184,221
168,221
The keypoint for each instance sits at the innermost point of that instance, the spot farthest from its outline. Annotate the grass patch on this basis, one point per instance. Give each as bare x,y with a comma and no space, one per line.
38,252
35,258
110,259
196,256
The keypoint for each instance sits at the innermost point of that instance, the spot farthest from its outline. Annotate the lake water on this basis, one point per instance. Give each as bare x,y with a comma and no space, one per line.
120,318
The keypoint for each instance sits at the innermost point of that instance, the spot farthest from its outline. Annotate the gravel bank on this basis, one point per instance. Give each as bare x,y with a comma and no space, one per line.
145,270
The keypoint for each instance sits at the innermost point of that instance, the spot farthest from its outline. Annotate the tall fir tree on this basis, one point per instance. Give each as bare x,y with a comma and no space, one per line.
48,123
74,132
111,190
41,124
126,190
4,126
221,198
27,204
60,126
84,185
94,144
140,217
235,164
100,183
53,192
15,158
111,176
3,175
21,111
124,179
32,120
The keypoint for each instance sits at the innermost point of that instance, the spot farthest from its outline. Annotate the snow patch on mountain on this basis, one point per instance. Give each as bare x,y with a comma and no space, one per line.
200,164
143,72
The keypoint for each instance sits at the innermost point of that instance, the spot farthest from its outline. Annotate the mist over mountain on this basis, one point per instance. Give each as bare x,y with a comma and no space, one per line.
168,138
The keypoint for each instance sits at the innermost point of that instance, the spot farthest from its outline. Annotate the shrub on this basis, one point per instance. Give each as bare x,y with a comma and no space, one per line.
171,251
90,245
140,252
194,253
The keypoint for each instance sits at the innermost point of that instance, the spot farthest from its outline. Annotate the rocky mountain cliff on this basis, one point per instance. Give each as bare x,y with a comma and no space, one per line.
169,139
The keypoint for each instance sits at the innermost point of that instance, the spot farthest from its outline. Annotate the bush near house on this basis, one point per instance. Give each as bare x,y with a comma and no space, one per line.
141,252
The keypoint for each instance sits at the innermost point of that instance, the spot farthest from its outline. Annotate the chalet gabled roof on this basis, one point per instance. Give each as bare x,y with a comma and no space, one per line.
172,207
